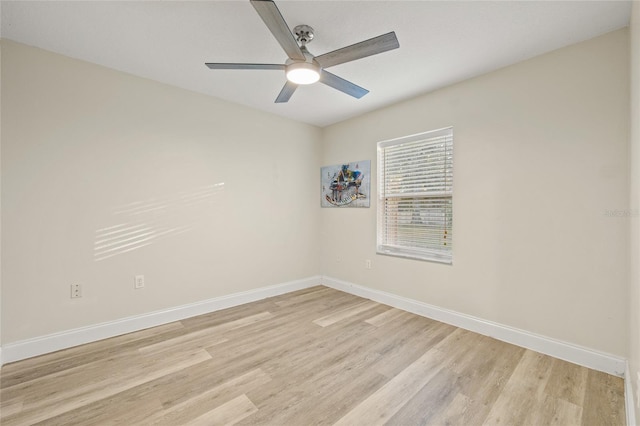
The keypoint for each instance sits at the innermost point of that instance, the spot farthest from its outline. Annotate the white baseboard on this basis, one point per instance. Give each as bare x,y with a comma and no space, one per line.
53,342
628,397
586,357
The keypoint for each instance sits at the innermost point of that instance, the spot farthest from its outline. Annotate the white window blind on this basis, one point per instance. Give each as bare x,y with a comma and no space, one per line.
415,188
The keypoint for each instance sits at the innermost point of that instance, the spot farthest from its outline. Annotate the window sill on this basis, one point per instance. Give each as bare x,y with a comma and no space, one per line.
415,256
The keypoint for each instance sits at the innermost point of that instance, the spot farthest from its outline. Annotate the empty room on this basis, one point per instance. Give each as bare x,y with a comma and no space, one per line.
261,212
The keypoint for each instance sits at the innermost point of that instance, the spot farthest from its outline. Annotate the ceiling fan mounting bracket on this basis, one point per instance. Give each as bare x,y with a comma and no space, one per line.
304,34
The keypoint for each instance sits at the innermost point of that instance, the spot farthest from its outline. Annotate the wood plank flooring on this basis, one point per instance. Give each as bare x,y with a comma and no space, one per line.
312,357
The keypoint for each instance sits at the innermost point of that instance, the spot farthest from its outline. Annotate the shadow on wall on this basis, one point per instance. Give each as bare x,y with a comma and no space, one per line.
143,223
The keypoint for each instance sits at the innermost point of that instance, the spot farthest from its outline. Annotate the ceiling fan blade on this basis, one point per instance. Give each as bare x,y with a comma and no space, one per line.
231,66
360,50
286,92
273,19
342,85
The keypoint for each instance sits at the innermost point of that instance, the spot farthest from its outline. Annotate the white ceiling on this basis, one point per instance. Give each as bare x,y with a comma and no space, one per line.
441,42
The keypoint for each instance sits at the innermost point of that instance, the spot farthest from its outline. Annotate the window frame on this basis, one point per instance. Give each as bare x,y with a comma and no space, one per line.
429,252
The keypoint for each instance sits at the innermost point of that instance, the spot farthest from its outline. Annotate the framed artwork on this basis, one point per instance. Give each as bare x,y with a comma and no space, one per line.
346,184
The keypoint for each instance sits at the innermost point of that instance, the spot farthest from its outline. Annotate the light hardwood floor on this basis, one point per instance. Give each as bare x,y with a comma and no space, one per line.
316,356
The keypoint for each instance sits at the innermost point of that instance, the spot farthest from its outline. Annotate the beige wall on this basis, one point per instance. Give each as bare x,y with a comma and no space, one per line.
540,156
634,283
85,149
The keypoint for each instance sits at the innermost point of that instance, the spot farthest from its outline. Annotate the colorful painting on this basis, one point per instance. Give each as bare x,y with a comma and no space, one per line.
346,184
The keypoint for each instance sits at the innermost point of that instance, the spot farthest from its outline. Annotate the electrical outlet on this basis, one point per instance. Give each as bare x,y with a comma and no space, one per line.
139,281
76,291
367,263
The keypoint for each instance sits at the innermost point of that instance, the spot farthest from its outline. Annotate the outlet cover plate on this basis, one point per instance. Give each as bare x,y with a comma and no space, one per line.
76,291
139,281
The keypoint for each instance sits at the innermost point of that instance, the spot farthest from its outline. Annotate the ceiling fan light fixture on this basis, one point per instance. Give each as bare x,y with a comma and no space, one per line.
303,73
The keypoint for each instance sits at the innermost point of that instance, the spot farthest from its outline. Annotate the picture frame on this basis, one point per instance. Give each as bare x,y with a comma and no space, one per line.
346,185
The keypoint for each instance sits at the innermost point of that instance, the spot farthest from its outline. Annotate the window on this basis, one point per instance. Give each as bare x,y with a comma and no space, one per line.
415,187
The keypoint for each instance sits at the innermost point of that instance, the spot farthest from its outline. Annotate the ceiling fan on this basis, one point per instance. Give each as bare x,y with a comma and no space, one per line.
301,66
